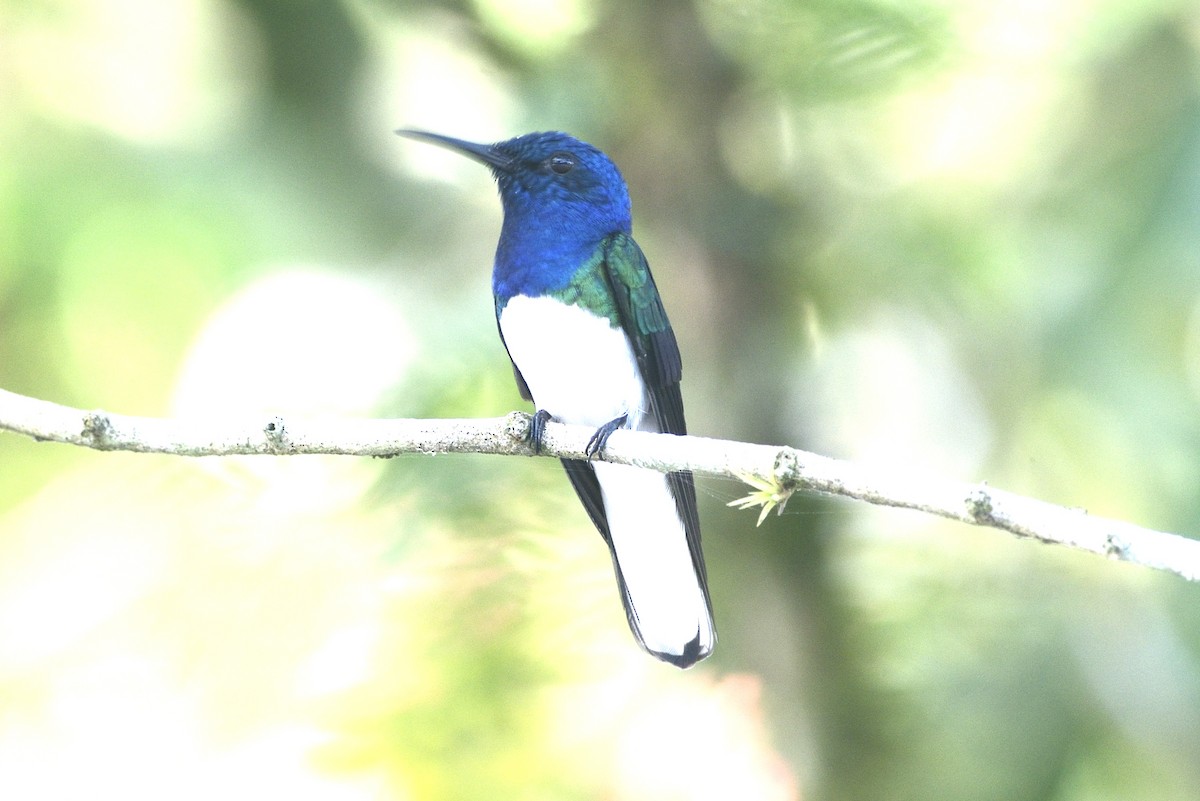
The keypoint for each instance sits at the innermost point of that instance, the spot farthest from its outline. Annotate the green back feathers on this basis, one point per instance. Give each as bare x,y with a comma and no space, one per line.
589,289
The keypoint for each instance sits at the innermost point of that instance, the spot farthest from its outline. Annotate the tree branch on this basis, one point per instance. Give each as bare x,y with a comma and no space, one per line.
775,471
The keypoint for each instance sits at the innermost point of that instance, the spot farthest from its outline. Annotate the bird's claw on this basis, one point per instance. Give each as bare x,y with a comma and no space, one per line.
537,429
600,438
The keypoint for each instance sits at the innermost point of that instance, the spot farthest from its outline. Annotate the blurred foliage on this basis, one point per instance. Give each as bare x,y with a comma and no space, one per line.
956,238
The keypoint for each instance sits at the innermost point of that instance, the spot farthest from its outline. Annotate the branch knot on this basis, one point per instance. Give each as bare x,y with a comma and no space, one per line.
979,506
516,426
787,471
97,430
276,434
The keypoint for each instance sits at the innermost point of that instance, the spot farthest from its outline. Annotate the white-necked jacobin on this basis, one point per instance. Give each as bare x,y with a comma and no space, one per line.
590,345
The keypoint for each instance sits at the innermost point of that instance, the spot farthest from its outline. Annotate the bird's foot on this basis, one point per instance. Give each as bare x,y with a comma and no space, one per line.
537,429
600,438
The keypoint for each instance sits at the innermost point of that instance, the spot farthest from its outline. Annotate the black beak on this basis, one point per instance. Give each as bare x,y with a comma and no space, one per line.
483,153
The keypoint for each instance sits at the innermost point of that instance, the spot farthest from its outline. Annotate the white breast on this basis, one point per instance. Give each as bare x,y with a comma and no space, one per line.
578,367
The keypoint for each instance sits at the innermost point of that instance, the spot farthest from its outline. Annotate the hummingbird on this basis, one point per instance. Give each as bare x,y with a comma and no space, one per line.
590,344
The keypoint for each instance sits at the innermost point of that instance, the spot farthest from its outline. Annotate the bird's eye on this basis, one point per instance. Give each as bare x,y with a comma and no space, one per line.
561,163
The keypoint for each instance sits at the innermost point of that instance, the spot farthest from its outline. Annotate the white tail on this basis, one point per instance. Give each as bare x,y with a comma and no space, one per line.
667,606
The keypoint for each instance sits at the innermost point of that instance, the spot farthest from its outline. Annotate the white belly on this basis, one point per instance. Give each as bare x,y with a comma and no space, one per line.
578,367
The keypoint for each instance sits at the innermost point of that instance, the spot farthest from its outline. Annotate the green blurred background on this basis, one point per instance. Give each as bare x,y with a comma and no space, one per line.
956,238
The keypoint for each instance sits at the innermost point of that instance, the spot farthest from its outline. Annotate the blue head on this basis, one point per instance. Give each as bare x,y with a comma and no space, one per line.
561,197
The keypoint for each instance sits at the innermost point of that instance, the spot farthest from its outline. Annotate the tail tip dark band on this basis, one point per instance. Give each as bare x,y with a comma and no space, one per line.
692,653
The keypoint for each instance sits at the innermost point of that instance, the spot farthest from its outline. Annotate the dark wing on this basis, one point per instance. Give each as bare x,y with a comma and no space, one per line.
645,323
